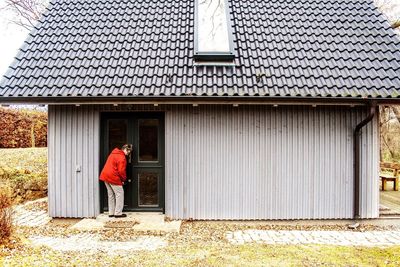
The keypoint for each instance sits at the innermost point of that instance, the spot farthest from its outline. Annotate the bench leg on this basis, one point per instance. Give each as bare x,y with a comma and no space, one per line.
383,184
396,184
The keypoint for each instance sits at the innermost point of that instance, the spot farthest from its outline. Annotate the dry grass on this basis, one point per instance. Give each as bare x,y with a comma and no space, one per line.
6,226
24,171
191,253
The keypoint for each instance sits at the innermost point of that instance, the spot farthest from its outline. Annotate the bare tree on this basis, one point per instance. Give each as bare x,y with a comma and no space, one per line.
390,115
389,123
396,24
26,12
396,111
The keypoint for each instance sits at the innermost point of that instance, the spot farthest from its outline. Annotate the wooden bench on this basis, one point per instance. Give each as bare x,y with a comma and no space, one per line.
389,173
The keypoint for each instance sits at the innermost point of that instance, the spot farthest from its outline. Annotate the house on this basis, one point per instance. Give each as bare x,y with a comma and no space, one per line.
236,109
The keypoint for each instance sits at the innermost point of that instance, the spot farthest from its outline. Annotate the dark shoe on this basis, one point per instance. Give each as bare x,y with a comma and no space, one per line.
120,216
110,216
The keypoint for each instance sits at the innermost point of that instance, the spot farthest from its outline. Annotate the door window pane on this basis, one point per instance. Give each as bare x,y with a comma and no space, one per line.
117,133
148,139
148,189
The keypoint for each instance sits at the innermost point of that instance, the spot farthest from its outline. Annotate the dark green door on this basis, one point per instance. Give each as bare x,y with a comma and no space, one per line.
144,189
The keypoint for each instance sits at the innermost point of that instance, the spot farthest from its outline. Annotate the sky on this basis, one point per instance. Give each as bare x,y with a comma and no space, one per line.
11,39
12,36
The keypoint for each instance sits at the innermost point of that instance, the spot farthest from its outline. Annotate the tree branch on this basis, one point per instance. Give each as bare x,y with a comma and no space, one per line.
396,112
387,146
27,12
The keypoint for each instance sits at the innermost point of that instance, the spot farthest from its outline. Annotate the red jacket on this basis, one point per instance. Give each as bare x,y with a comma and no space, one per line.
114,171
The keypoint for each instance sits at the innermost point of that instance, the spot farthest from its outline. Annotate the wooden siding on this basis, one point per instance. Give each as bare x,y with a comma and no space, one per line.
262,162
224,162
73,143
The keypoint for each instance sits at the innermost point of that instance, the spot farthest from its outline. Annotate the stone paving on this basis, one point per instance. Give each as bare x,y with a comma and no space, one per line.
87,242
340,238
91,243
24,217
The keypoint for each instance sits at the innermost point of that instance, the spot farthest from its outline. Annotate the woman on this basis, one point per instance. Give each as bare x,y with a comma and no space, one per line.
114,176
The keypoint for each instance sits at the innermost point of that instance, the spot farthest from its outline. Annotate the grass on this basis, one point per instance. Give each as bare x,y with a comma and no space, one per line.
213,254
33,160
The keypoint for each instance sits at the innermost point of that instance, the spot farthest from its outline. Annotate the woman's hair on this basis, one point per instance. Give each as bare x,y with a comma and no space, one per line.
128,147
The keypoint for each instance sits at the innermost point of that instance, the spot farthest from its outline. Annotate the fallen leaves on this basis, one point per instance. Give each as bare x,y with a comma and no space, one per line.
198,243
119,224
37,205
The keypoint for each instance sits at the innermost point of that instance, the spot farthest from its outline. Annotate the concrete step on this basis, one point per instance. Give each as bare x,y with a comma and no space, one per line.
138,221
138,217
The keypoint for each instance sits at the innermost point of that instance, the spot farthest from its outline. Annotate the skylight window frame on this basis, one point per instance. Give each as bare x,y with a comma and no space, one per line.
213,56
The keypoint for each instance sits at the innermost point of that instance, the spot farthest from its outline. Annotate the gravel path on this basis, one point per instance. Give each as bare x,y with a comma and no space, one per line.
32,218
341,238
85,241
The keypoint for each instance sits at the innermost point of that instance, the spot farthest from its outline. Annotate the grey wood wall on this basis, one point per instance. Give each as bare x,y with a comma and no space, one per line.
224,162
267,163
73,141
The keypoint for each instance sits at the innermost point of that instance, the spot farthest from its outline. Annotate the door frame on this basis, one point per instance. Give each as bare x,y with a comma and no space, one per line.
134,115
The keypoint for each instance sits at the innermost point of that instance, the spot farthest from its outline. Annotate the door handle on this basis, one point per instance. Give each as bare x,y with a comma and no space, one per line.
129,180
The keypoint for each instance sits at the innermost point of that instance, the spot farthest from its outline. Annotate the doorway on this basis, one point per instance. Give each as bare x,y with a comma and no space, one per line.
144,188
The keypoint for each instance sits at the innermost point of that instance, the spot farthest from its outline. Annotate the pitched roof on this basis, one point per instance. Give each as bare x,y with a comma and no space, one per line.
293,48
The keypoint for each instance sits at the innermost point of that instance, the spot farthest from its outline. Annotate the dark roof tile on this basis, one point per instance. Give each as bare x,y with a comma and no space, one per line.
333,48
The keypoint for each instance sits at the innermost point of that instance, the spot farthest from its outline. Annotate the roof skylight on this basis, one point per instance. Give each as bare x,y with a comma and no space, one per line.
213,40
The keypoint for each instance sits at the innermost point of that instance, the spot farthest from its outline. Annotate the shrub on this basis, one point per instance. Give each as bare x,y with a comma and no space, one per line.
6,226
22,128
